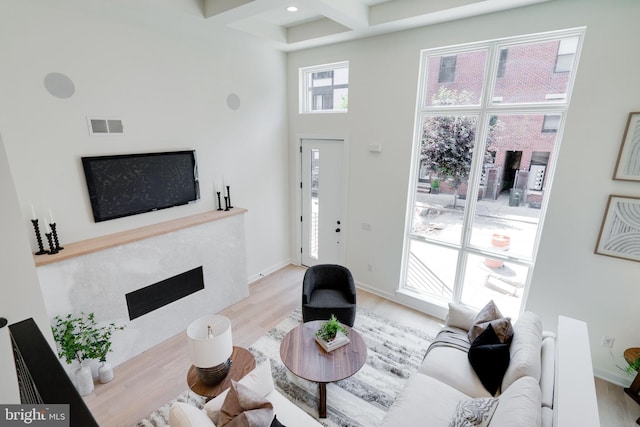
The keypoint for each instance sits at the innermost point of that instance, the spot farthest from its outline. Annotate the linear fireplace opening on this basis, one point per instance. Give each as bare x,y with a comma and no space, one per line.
152,297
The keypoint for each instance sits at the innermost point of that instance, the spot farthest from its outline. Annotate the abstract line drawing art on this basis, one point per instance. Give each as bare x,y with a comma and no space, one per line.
628,165
620,231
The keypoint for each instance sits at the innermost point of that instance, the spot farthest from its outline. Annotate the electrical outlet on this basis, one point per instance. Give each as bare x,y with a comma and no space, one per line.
607,341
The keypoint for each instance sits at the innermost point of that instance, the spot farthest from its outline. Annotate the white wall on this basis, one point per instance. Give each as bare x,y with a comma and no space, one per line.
569,279
161,68
21,298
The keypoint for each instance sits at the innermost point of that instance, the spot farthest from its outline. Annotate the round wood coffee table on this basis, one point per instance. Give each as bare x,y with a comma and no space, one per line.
242,362
303,356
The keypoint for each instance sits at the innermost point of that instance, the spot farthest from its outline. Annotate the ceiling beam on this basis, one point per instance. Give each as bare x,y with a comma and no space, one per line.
217,7
226,11
330,21
351,14
398,10
260,28
314,30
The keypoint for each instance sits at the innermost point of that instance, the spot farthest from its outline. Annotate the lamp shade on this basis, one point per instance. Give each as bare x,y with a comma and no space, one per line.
210,341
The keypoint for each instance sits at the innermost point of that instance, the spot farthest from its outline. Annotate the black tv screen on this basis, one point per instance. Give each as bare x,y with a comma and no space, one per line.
130,184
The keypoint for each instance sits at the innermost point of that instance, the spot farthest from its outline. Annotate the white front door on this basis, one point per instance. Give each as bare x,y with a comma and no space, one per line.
322,201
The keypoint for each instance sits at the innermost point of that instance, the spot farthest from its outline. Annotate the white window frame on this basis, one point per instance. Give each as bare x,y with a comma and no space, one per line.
488,107
305,101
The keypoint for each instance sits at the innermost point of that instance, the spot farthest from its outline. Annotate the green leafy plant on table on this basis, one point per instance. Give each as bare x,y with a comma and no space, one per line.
634,366
80,338
329,329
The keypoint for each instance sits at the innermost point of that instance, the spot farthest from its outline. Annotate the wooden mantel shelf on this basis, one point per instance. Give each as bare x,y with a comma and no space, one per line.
84,247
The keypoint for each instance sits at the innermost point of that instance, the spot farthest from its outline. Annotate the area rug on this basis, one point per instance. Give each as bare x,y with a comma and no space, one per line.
394,352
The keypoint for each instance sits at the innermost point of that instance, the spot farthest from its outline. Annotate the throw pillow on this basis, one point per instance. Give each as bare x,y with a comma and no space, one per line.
490,359
490,315
276,423
474,412
258,380
184,415
460,316
244,407
525,349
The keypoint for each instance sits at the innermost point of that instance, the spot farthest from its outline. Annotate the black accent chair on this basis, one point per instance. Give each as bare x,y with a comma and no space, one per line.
328,289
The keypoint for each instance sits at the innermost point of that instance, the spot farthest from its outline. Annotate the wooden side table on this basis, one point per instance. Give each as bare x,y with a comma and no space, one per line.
630,355
242,362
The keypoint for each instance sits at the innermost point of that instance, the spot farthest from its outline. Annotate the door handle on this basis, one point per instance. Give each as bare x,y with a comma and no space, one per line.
337,230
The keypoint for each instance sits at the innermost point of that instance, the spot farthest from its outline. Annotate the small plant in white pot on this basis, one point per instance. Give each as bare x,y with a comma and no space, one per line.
332,334
79,339
102,347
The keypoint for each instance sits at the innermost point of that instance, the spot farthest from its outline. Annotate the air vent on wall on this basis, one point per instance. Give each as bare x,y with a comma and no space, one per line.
105,126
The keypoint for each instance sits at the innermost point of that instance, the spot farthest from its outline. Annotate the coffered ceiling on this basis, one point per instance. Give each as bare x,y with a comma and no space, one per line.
319,22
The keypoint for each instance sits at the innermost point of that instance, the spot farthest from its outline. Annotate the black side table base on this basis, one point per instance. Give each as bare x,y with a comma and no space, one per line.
634,394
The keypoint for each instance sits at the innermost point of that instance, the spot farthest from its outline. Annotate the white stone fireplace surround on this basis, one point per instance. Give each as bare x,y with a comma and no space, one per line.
94,276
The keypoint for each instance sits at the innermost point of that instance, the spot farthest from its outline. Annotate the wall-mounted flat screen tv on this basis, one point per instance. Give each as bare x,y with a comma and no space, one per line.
129,184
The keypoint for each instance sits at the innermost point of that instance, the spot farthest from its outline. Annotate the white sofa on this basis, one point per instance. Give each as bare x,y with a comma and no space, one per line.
549,383
549,380
258,380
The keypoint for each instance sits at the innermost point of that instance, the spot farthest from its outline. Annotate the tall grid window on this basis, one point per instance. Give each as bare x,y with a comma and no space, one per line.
324,88
483,169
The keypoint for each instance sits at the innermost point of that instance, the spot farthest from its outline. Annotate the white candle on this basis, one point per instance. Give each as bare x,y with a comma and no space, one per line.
46,227
33,213
51,221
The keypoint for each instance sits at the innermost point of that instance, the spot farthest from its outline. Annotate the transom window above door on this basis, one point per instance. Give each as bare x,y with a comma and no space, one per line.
325,88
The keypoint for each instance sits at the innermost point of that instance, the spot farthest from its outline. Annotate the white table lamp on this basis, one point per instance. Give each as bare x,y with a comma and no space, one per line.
210,347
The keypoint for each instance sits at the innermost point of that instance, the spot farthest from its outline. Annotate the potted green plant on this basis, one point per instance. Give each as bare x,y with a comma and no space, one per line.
80,338
332,334
435,186
634,366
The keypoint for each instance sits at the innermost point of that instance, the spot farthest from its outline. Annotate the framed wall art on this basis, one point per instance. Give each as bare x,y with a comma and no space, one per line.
628,164
620,231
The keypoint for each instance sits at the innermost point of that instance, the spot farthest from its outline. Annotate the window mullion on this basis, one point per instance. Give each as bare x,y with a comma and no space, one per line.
473,185
459,276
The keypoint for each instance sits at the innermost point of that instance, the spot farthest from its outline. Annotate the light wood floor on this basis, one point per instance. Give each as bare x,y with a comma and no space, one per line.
156,376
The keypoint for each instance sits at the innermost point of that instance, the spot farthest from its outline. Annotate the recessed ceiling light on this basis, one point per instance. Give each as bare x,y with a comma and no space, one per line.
292,9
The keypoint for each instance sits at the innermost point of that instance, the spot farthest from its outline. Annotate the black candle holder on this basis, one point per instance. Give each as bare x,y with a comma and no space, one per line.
226,203
52,247
36,228
229,197
219,203
54,234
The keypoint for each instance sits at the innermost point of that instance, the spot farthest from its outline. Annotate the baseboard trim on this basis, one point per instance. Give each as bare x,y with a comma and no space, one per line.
374,291
622,381
407,301
269,270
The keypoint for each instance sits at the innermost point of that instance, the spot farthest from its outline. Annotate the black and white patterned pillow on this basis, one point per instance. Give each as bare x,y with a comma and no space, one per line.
474,412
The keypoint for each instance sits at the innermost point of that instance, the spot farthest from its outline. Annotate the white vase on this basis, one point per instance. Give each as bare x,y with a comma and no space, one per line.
105,372
83,380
